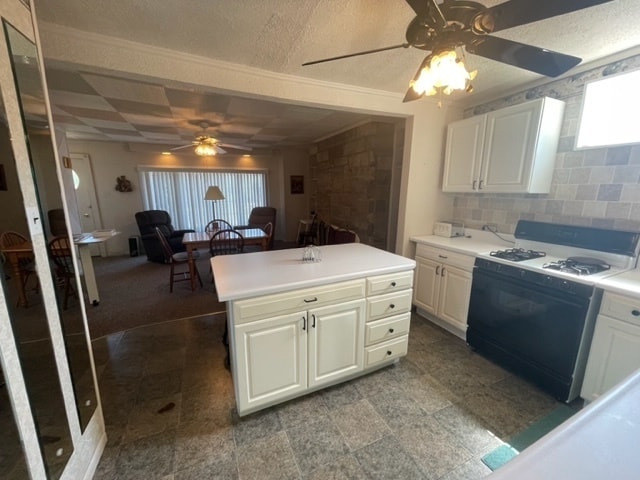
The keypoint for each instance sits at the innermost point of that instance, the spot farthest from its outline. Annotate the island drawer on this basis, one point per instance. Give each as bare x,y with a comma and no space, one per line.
386,351
387,328
391,304
620,307
297,300
392,282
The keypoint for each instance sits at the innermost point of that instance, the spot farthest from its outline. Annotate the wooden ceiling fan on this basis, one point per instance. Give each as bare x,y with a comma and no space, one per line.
457,24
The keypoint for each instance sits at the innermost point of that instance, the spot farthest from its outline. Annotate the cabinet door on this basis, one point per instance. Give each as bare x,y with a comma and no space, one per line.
509,148
425,293
271,359
463,154
614,354
336,341
455,293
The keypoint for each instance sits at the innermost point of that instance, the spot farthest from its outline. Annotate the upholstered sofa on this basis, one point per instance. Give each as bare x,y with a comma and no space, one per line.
147,221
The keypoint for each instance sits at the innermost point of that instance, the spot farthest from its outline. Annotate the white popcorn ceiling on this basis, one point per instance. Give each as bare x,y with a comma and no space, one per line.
279,35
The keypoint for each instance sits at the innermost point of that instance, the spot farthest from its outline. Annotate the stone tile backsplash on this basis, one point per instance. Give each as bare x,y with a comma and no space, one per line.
596,187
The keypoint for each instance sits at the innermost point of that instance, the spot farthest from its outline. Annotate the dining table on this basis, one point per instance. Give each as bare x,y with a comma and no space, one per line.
16,256
195,240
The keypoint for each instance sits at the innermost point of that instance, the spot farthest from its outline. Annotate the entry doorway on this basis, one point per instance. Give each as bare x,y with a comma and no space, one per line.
86,200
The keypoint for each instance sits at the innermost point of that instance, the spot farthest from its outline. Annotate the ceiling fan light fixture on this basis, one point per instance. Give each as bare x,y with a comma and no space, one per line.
446,72
205,150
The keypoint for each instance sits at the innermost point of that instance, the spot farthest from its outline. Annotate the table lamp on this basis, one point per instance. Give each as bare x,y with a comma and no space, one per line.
213,193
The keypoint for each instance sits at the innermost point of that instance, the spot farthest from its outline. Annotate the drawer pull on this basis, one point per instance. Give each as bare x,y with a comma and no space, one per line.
442,273
393,284
304,323
314,299
438,270
389,352
635,313
392,306
442,256
391,330
314,321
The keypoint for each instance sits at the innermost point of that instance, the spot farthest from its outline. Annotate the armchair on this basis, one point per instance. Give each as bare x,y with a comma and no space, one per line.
147,222
258,218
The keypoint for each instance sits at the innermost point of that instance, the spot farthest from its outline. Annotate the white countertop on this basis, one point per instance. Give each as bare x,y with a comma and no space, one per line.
252,274
473,243
627,283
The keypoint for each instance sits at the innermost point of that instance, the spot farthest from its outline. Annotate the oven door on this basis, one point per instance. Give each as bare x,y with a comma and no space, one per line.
528,328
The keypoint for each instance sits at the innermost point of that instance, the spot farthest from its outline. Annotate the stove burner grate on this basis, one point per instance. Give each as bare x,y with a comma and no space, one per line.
577,267
517,254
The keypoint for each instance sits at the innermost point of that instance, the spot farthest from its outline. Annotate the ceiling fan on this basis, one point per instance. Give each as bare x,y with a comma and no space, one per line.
205,145
443,28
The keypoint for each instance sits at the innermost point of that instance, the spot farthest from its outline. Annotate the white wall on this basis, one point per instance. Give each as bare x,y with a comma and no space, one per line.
422,203
110,160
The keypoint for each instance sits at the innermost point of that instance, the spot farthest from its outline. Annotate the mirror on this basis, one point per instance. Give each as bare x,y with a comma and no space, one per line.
28,317
29,86
12,462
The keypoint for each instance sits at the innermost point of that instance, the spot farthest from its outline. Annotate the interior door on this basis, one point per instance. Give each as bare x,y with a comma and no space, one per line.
86,197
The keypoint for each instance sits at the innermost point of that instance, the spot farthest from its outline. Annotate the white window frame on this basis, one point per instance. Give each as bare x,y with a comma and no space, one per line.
608,107
191,210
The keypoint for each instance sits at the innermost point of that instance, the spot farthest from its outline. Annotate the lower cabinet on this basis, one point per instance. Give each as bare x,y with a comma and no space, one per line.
286,354
443,286
615,348
284,345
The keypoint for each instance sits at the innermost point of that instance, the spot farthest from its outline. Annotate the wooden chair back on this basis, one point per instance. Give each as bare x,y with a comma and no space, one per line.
60,253
217,224
11,239
226,242
166,247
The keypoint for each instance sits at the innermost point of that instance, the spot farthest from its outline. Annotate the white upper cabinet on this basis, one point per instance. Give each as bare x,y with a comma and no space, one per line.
511,150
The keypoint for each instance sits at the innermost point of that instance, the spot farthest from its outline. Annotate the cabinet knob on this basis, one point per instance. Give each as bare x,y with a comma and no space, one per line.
635,313
389,352
392,306
393,284
391,330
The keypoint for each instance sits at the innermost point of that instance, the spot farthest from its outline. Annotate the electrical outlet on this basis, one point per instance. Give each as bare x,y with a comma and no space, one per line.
490,227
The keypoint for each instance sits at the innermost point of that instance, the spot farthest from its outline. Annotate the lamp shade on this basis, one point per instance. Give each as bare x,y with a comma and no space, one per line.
213,193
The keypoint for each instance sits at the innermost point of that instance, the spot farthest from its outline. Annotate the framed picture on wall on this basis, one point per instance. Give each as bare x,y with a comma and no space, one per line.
297,184
3,178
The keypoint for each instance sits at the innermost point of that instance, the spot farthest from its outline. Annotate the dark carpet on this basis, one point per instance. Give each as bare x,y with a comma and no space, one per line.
135,292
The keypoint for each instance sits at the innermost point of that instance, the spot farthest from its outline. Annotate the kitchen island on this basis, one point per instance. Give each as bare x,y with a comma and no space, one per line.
296,327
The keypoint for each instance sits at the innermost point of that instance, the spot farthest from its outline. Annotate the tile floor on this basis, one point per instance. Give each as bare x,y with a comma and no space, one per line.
169,411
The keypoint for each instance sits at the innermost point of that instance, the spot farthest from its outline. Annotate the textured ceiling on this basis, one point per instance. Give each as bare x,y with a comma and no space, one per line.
279,35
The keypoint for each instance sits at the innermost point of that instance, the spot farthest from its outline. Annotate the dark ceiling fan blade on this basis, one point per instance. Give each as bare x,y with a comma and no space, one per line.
519,12
366,52
535,59
421,7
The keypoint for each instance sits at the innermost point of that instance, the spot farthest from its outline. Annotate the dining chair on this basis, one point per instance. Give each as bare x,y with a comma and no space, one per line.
26,264
177,261
225,242
60,253
217,224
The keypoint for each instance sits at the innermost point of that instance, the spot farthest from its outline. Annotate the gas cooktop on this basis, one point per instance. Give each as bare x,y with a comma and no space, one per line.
582,254
578,265
517,254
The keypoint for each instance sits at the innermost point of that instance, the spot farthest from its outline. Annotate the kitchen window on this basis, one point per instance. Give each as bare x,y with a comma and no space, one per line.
180,191
609,112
